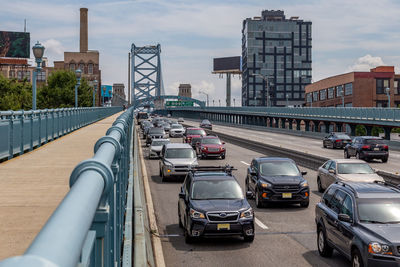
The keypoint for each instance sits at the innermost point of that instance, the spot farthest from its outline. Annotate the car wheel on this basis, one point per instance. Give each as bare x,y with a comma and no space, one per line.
346,154
320,189
323,247
223,156
188,238
163,178
356,259
179,217
259,203
305,203
248,239
385,159
323,144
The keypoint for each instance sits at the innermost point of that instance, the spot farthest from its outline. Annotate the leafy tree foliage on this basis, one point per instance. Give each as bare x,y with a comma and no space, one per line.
15,95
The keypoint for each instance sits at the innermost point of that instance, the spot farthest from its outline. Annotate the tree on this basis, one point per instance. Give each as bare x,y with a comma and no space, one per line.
60,91
15,95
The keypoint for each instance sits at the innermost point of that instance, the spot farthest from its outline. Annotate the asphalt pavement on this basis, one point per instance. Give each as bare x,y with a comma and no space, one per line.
285,234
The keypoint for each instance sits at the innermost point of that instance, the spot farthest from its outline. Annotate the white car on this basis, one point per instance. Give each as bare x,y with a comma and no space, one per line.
156,146
347,170
181,120
176,130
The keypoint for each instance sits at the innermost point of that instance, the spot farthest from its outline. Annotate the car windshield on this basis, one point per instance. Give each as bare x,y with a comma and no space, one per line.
356,168
179,153
342,136
206,122
379,210
216,189
211,141
195,132
195,140
160,143
156,131
176,126
375,141
279,168
143,116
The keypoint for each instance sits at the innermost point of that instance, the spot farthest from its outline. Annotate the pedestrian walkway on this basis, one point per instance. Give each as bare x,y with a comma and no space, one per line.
32,185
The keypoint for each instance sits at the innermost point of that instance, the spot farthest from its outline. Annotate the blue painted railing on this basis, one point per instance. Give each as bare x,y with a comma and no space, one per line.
25,130
373,116
87,228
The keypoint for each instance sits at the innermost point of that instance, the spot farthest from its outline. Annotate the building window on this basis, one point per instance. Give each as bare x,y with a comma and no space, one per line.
11,74
72,67
41,76
397,87
381,103
315,96
348,89
309,98
90,68
322,94
339,89
330,92
381,84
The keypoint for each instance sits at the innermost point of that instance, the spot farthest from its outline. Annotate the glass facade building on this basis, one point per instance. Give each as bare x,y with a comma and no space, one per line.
278,50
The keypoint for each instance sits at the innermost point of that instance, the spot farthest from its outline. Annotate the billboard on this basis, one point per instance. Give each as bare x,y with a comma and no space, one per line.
224,64
106,90
15,44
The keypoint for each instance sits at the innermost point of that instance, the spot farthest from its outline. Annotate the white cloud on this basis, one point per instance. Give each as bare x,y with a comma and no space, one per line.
366,63
54,50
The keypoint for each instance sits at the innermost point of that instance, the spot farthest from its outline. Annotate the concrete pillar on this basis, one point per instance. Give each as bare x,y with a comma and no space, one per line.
307,125
283,122
271,122
298,125
387,132
290,124
369,129
276,122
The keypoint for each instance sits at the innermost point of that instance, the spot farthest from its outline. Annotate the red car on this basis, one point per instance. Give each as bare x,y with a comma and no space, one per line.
193,132
211,146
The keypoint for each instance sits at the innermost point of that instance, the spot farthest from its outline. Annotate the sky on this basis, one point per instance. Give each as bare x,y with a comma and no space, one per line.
346,35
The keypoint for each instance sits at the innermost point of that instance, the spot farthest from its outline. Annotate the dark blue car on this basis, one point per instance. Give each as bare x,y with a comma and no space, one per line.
211,204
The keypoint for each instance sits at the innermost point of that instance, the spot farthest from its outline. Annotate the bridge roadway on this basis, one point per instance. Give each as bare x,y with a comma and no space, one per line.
285,234
298,143
33,185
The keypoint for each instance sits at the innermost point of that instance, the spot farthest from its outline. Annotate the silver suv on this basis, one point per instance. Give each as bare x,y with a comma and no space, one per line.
176,160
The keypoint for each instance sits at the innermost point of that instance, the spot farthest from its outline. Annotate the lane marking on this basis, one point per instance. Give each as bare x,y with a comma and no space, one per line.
245,163
259,223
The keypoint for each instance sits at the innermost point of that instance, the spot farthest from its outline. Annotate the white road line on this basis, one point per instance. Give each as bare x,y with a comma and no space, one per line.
245,163
259,223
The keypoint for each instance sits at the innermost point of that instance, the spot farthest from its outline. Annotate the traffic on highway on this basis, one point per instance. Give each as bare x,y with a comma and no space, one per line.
220,204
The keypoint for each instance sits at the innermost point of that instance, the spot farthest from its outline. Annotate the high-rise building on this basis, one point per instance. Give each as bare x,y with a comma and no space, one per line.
276,58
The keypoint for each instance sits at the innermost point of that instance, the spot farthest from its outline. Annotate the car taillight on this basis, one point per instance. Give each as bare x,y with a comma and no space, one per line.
365,147
338,140
386,147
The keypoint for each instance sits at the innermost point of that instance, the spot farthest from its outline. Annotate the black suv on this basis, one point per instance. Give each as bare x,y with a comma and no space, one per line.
277,180
211,204
361,221
154,133
367,148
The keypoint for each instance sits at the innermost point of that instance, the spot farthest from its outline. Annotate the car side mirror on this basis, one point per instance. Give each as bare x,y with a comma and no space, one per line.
249,194
252,172
197,143
223,143
344,218
332,171
182,195
303,173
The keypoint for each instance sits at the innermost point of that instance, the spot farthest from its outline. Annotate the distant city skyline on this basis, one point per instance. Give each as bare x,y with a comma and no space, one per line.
347,35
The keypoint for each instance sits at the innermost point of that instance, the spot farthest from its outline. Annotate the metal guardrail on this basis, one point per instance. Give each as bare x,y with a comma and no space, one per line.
370,116
25,130
86,229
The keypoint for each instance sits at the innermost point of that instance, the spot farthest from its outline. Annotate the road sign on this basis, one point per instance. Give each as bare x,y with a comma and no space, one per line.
179,103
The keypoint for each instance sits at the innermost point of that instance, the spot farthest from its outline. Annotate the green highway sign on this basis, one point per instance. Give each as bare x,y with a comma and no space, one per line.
179,103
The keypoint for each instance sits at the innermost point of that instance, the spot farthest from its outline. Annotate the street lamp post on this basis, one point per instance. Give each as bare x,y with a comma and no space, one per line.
94,92
38,51
265,78
388,95
78,74
213,102
201,92
219,100
234,103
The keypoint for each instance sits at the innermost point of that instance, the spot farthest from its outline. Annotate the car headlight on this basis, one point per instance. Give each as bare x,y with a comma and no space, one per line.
377,248
248,214
265,185
304,184
196,214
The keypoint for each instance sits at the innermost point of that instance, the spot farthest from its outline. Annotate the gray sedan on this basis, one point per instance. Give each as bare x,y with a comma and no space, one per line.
353,170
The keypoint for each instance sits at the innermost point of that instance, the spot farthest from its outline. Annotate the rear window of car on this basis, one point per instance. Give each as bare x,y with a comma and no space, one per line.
375,141
343,136
156,131
195,132
206,122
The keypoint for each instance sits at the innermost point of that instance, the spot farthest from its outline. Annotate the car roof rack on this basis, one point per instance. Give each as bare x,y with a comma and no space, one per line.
227,169
347,186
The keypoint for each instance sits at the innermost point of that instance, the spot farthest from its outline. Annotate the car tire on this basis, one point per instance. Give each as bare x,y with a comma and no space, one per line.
160,172
163,178
385,159
223,156
259,203
323,144
323,247
248,238
320,189
179,218
188,238
346,154
356,259
305,203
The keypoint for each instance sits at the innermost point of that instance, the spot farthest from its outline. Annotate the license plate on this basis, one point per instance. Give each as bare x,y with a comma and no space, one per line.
286,195
223,226
376,148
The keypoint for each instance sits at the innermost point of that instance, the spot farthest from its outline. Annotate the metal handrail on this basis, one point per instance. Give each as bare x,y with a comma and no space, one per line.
21,130
86,229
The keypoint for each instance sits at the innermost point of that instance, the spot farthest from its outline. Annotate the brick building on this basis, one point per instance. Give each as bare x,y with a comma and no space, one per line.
185,89
360,89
